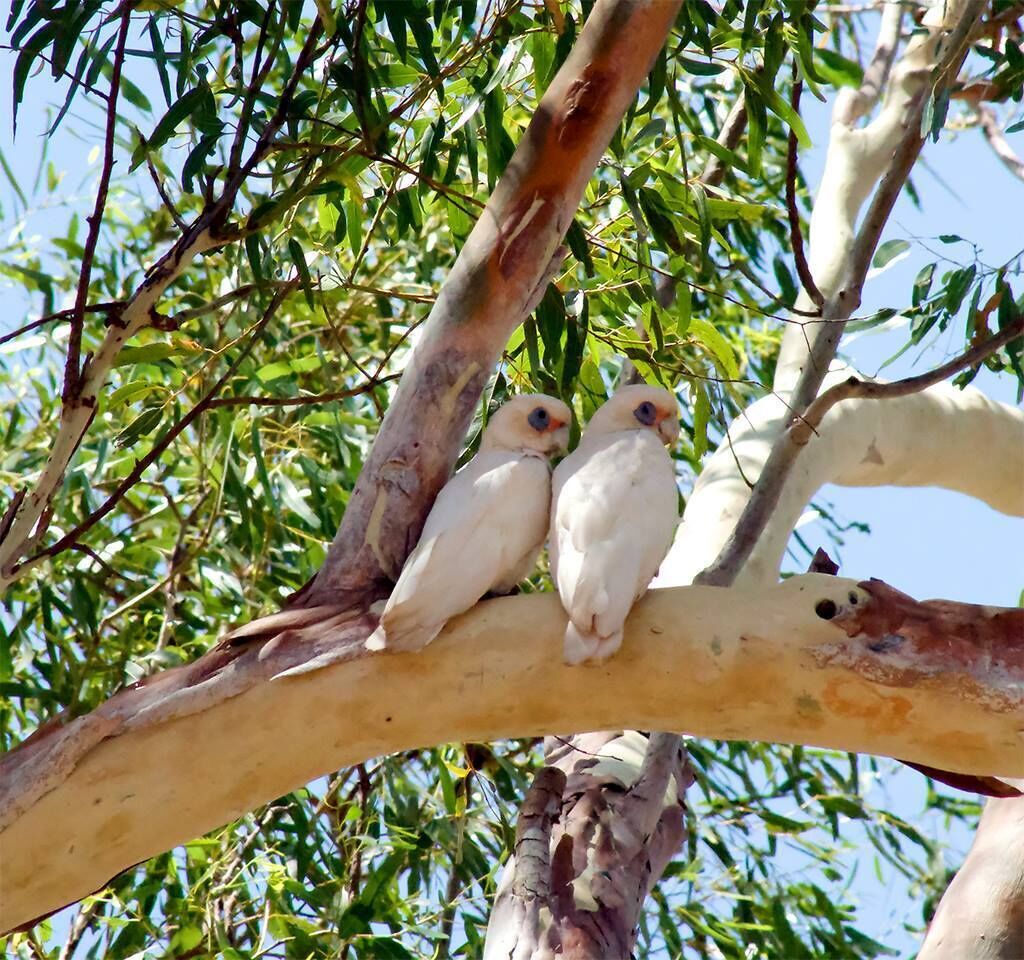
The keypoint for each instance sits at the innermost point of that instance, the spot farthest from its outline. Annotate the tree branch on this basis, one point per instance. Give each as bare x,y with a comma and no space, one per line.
811,660
795,234
997,140
893,142
72,370
981,914
300,401
854,387
938,437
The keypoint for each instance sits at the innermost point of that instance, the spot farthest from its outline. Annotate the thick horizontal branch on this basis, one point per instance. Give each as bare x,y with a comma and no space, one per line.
814,660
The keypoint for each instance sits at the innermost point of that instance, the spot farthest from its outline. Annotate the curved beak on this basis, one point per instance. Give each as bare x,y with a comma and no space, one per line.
668,428
559,432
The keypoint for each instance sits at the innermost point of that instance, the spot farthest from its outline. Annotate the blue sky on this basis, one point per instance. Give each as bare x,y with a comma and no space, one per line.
929,543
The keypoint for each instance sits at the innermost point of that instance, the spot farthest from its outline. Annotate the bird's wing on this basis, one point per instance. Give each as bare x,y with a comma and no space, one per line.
614,514
485,522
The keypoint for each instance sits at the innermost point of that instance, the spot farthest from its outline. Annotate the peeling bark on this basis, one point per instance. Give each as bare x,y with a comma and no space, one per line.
83,801
620,822
489,292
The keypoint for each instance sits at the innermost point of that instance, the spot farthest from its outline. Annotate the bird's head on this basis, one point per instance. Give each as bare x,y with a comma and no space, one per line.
531,421
638,407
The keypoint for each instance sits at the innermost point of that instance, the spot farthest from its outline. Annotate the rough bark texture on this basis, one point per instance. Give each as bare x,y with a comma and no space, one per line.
83,801
981,914
489,292
618,821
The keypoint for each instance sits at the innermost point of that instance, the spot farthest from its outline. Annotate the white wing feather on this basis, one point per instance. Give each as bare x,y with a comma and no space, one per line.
483,533
613,516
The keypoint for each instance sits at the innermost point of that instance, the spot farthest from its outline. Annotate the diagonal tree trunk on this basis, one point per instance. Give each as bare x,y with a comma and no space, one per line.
495,283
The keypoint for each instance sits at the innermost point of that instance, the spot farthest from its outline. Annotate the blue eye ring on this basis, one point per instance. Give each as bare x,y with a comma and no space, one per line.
646,413
539,419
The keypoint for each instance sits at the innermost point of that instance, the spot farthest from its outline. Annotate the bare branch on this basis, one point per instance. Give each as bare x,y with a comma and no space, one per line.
854,387
729,137
997,141
72,372
795,234
695,660
300,401
851,107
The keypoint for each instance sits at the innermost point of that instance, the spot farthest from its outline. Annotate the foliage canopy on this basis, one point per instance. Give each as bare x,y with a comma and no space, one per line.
259,387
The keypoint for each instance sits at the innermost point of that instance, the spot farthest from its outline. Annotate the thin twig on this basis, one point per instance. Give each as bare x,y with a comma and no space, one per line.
300,401
109,306
795,234
801,431
106,567
166,440
164,197
72,371
996,138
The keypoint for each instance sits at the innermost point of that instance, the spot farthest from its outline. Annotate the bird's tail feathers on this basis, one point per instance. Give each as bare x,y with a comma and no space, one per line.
376,640
588,646
401,637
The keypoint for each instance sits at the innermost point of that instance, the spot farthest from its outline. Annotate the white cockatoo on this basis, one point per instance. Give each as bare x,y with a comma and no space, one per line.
486,527
613,514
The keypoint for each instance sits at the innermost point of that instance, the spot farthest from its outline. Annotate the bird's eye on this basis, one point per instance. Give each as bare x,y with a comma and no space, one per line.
646,413
538,419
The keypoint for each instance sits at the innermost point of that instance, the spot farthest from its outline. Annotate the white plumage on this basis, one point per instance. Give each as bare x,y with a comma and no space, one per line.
486,527
613,514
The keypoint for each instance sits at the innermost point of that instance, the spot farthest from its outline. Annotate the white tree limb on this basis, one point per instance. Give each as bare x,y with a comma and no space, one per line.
941,437
858,158
815,660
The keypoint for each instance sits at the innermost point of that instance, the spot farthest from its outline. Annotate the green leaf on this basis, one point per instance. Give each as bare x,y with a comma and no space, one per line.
725,357
152,353
923,284
130,391
145,423
836,69
164,130
299,260
700,202
889,251
700,68
684,307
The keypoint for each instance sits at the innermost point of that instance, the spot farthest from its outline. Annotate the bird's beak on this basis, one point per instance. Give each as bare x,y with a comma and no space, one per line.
668,428
559,436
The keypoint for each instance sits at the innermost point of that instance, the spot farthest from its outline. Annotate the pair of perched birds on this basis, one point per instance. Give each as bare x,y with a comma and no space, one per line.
612,508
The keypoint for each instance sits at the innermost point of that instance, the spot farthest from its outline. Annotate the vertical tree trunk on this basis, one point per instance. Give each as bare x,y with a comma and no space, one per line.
599,825
981,914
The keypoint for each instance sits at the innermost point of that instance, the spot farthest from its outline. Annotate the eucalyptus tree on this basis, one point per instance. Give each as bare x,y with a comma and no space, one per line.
317,247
